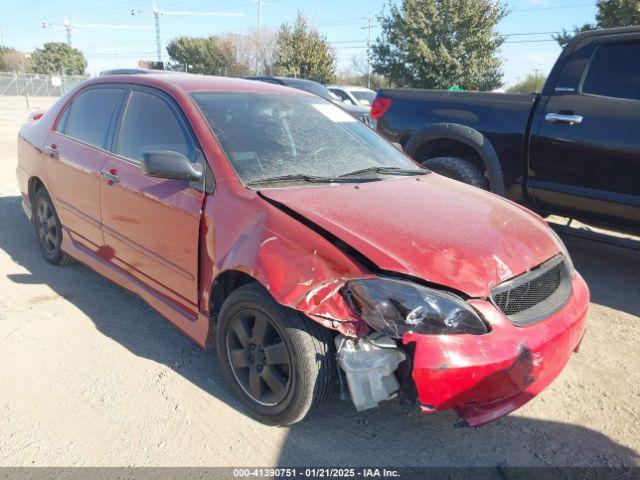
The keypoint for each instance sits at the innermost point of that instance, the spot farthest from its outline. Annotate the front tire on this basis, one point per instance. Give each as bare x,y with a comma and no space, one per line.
278,363
48,230
458,169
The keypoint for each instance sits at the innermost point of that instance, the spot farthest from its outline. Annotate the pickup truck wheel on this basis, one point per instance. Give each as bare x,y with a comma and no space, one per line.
279,364
49,230
458,169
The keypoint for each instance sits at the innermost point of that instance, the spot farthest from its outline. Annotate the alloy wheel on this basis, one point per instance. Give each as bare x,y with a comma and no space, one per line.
47,225
259,357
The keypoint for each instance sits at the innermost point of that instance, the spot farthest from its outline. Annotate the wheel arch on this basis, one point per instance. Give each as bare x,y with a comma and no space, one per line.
466,139
35,184
223,285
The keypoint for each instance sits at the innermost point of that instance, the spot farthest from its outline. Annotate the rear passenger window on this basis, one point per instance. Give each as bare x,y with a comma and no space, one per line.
151,123
90,114
615,71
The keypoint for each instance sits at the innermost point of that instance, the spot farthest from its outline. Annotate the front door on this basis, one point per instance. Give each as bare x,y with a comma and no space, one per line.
151,225
586,150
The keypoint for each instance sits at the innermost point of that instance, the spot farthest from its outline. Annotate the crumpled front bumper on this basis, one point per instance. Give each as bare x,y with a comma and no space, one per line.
486,377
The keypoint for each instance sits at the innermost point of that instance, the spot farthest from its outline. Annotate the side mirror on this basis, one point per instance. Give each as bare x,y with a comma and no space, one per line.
170,165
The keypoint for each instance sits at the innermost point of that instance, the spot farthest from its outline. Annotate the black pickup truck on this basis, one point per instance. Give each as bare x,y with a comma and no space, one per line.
573,150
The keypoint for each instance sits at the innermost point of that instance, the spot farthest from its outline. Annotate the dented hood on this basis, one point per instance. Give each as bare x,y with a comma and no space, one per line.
429,227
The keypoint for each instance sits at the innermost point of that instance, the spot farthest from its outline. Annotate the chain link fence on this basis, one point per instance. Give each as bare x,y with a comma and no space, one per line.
34,85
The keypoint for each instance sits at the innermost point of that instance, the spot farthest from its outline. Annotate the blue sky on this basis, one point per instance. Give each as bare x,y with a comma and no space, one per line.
528,26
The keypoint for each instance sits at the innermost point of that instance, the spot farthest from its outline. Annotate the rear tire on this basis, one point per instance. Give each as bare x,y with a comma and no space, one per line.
49,230
458,169
278,363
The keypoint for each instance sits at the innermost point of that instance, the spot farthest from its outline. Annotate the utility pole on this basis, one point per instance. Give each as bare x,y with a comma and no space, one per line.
156,12
536,71
260,4
24,76
369,19
156,15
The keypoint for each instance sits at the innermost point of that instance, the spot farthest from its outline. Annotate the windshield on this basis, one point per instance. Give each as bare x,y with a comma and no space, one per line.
266,136
364,97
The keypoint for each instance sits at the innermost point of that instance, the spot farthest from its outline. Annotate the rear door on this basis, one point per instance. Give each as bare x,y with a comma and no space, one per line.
586,149
151,225
77,149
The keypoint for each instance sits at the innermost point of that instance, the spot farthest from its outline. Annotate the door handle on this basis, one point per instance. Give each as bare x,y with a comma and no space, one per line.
111,176
563,118
52,150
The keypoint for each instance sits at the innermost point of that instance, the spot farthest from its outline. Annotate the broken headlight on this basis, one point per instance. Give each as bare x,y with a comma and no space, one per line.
396,307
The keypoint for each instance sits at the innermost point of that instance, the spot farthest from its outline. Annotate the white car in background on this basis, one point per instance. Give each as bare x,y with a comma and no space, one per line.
360,96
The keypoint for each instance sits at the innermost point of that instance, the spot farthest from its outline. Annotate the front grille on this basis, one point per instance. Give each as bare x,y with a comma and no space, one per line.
530,294
536,294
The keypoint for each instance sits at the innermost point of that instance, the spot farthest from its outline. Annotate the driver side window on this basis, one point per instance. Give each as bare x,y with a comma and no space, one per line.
151,123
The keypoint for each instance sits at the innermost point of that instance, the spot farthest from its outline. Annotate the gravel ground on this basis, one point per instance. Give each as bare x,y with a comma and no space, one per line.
91,376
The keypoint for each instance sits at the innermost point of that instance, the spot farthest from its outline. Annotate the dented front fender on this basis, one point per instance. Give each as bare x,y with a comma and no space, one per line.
300,268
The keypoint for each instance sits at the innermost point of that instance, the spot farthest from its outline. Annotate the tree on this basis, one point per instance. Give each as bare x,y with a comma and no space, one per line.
191,54
11,60
611,14
358,74
303,52
531,84
566,36
256,52
440,43
56,58
206,55
618,13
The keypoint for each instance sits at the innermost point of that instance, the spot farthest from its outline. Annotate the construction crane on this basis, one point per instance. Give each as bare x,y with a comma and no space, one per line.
157,13
68,25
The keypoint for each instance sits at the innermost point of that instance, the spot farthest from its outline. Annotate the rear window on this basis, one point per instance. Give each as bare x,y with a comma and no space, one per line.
615,71
90,114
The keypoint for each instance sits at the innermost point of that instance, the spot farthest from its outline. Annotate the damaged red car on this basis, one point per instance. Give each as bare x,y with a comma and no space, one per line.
273,225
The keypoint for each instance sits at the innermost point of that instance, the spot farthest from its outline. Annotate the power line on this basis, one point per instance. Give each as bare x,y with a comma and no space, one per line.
557,7
532,41
68,26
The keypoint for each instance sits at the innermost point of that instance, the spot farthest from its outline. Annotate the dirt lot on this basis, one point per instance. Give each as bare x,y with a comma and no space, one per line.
90,376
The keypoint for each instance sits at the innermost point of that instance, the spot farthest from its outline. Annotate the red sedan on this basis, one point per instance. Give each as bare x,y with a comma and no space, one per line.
273,225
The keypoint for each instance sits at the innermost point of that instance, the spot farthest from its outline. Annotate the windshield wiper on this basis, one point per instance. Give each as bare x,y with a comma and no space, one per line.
347,177
386,171
296,177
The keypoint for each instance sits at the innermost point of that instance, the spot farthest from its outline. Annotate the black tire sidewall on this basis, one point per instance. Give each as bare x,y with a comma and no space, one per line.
252,299
457,169
57,256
